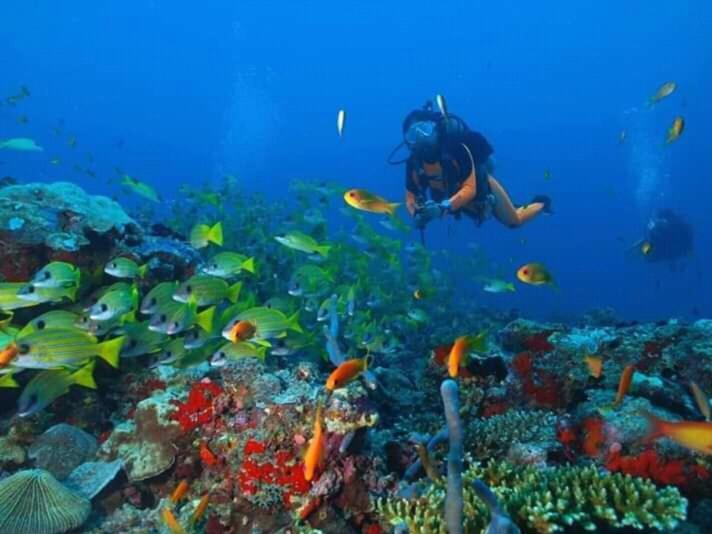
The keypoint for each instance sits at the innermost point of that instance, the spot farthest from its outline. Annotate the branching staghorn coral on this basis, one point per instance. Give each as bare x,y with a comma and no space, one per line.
493,436
546,501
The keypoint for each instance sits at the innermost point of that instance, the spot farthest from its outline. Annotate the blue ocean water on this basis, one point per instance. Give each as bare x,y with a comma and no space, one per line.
184,93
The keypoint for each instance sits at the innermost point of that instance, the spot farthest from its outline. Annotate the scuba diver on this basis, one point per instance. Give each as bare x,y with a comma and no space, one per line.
453,164
667,237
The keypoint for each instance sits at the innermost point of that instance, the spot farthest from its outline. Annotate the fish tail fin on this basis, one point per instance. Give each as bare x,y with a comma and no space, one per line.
323,250
85,376
129,317
656,427
391,208
72,292
293,322
233,292
478,342
109,350
7,381
216,234
248,265
142,270
261,352
368,361
205,319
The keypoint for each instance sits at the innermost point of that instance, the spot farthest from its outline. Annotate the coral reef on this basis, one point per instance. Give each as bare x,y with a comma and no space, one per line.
62,448
90,478
34,502
145,444
546,501
493,436
40,222
11,452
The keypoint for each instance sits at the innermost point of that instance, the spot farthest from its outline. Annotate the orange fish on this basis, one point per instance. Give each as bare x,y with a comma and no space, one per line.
180,491
315,452
457,358
595,366
594,437
361,199
207,456
242,331
200,509
346,372
7,355
171,522
440,357
457,355
693,435
624,383
441,353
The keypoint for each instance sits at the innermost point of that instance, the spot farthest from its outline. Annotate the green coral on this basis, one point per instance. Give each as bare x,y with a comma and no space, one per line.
547,501
493,436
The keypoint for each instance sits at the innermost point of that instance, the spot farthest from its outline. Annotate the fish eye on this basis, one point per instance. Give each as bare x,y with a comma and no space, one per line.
168,353
113,265
30,289
40,324
133,343
23,348
221,354
46,275
215,266
153,301
525,271
104,307
188,289
176,325
352,194
163,318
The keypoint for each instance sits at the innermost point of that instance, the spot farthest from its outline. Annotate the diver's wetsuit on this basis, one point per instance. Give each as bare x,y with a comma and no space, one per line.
452,177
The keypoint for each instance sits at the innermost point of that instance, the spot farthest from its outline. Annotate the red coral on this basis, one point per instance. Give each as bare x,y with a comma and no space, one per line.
594,437
284,471
538,342
541,387
522,363
198,408
495,408
254,447
649,464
